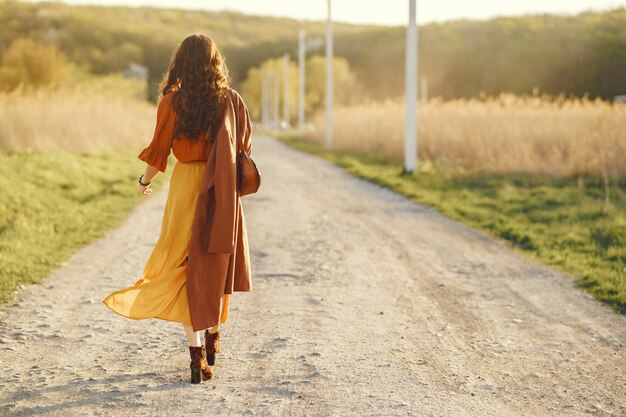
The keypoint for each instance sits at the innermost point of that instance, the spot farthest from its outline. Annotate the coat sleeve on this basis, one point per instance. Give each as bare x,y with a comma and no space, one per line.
158,150
244,127
222,234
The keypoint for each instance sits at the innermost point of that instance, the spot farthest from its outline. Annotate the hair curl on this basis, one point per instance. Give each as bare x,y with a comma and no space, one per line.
199,77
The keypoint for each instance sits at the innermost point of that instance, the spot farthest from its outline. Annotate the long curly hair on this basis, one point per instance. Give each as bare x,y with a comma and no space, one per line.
199,78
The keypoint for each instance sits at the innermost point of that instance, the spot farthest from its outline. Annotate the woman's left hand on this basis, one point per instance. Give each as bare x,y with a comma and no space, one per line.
145,190
149,172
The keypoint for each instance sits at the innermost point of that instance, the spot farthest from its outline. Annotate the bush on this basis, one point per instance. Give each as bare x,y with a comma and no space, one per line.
31,64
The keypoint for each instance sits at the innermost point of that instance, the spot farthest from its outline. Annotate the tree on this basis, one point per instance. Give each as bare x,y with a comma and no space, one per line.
252,86
29,63
347,89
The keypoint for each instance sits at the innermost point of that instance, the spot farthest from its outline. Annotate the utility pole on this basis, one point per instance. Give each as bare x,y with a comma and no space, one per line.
301,75
286,104
410,132
329,80
265,101
276,121
270,98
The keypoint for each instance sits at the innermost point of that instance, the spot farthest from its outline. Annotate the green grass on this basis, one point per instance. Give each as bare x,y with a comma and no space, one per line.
560,221
54,202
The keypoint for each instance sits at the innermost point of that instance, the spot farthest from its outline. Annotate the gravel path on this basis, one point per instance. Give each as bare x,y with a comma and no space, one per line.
362,303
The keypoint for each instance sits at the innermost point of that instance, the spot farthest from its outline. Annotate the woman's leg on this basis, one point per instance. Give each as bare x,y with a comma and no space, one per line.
193,338
215,328
199,367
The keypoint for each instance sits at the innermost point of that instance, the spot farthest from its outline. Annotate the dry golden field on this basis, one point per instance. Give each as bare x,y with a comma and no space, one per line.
74,120
68,172
534,134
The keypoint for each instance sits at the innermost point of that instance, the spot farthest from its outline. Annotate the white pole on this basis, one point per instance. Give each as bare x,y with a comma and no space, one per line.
286,106
264,106
410,132
269,98
263,100
301,64
329,80
276,98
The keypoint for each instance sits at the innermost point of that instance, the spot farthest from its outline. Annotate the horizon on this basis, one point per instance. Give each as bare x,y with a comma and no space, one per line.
395,13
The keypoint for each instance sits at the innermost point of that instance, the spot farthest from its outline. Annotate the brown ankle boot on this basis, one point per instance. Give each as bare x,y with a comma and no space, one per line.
200,369
212,343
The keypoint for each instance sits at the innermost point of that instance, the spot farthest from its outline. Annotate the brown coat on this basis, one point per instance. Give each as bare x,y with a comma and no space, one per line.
219,259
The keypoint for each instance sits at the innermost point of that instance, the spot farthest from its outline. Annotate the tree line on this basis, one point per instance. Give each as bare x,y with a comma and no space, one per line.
577,55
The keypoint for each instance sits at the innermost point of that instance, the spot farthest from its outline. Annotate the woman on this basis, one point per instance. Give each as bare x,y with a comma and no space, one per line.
201,255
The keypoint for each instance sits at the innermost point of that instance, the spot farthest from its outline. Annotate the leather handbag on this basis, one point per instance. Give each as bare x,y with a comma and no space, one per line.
248,174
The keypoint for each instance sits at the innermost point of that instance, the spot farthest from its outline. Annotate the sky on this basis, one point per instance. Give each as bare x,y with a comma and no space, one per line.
387,12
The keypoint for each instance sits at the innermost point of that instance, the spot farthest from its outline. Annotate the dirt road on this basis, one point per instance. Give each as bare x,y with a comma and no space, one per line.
363,304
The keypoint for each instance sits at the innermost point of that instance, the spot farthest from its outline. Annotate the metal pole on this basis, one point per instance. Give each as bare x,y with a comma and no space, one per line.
286,104
276,98
264,117
268,100
301,72
410,132
329,80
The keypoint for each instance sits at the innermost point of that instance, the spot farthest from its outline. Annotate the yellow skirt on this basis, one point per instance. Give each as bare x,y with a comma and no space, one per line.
162,291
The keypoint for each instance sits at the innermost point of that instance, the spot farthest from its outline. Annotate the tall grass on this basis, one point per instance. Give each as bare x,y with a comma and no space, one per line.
68,173
535,171
542,135
75,120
